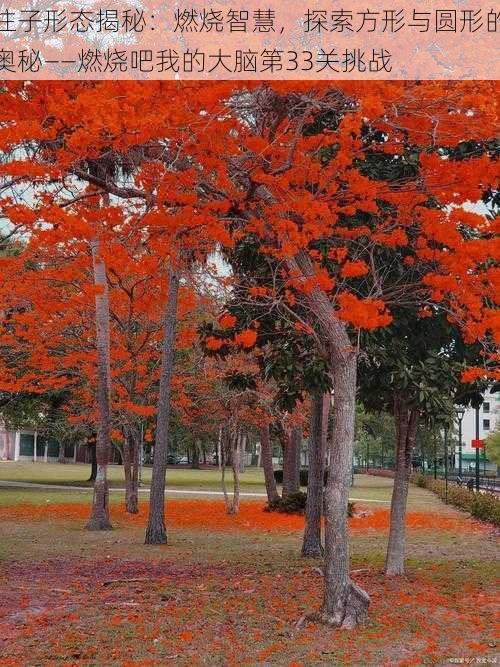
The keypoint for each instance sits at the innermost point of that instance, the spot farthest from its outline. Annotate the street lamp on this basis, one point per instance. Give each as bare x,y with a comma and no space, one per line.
460,415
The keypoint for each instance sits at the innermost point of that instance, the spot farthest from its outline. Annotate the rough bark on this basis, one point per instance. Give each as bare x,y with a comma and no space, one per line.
62,453
311,544
135,473
344,604
131,469
291,443
406,423
156,532
267,464
93,463
230,447
99,517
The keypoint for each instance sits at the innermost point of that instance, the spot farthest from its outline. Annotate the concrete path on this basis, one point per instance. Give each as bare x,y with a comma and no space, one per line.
191,492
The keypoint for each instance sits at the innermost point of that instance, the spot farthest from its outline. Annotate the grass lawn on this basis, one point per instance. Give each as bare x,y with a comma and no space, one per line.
70,474
366,488
234,590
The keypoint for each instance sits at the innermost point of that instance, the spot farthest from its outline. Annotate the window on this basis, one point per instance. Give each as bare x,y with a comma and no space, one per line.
486,407
486,424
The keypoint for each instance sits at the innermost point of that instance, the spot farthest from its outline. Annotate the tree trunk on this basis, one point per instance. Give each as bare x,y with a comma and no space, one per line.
344,603
237,442
136,464
93,463
99,518
195,461
156,532
131,469
230,443
406,423
291,443
311,545
242,452
267,464
62,453
254,461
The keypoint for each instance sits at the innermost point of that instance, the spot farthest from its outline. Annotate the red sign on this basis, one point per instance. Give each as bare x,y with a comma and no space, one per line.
479,444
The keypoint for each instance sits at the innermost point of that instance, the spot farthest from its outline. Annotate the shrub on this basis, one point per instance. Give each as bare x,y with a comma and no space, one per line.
484,506
295,503
419,480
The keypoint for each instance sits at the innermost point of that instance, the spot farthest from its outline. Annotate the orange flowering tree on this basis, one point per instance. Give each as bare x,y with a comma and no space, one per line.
87,145
47,335
356,198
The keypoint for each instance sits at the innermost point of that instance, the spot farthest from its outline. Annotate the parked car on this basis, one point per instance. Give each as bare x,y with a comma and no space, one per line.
173,459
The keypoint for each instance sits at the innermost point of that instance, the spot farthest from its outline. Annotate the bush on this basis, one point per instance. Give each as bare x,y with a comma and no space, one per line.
419,480
484,506
295,503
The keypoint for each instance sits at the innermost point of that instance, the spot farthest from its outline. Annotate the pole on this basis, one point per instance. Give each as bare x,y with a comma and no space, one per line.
446,466
477,450
460,446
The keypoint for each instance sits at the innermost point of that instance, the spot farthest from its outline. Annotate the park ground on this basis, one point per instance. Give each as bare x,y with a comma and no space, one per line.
231,590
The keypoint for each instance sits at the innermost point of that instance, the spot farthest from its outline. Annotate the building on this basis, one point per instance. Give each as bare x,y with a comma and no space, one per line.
28,445
489,414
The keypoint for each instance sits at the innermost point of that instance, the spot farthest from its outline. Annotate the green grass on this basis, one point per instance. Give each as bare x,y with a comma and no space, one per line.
366,487
70,474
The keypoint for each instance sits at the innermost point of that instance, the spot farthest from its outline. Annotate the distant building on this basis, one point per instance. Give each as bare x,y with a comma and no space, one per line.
489,414
29,445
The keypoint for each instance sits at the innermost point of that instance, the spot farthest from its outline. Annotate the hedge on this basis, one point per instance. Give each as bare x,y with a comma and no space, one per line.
484,506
